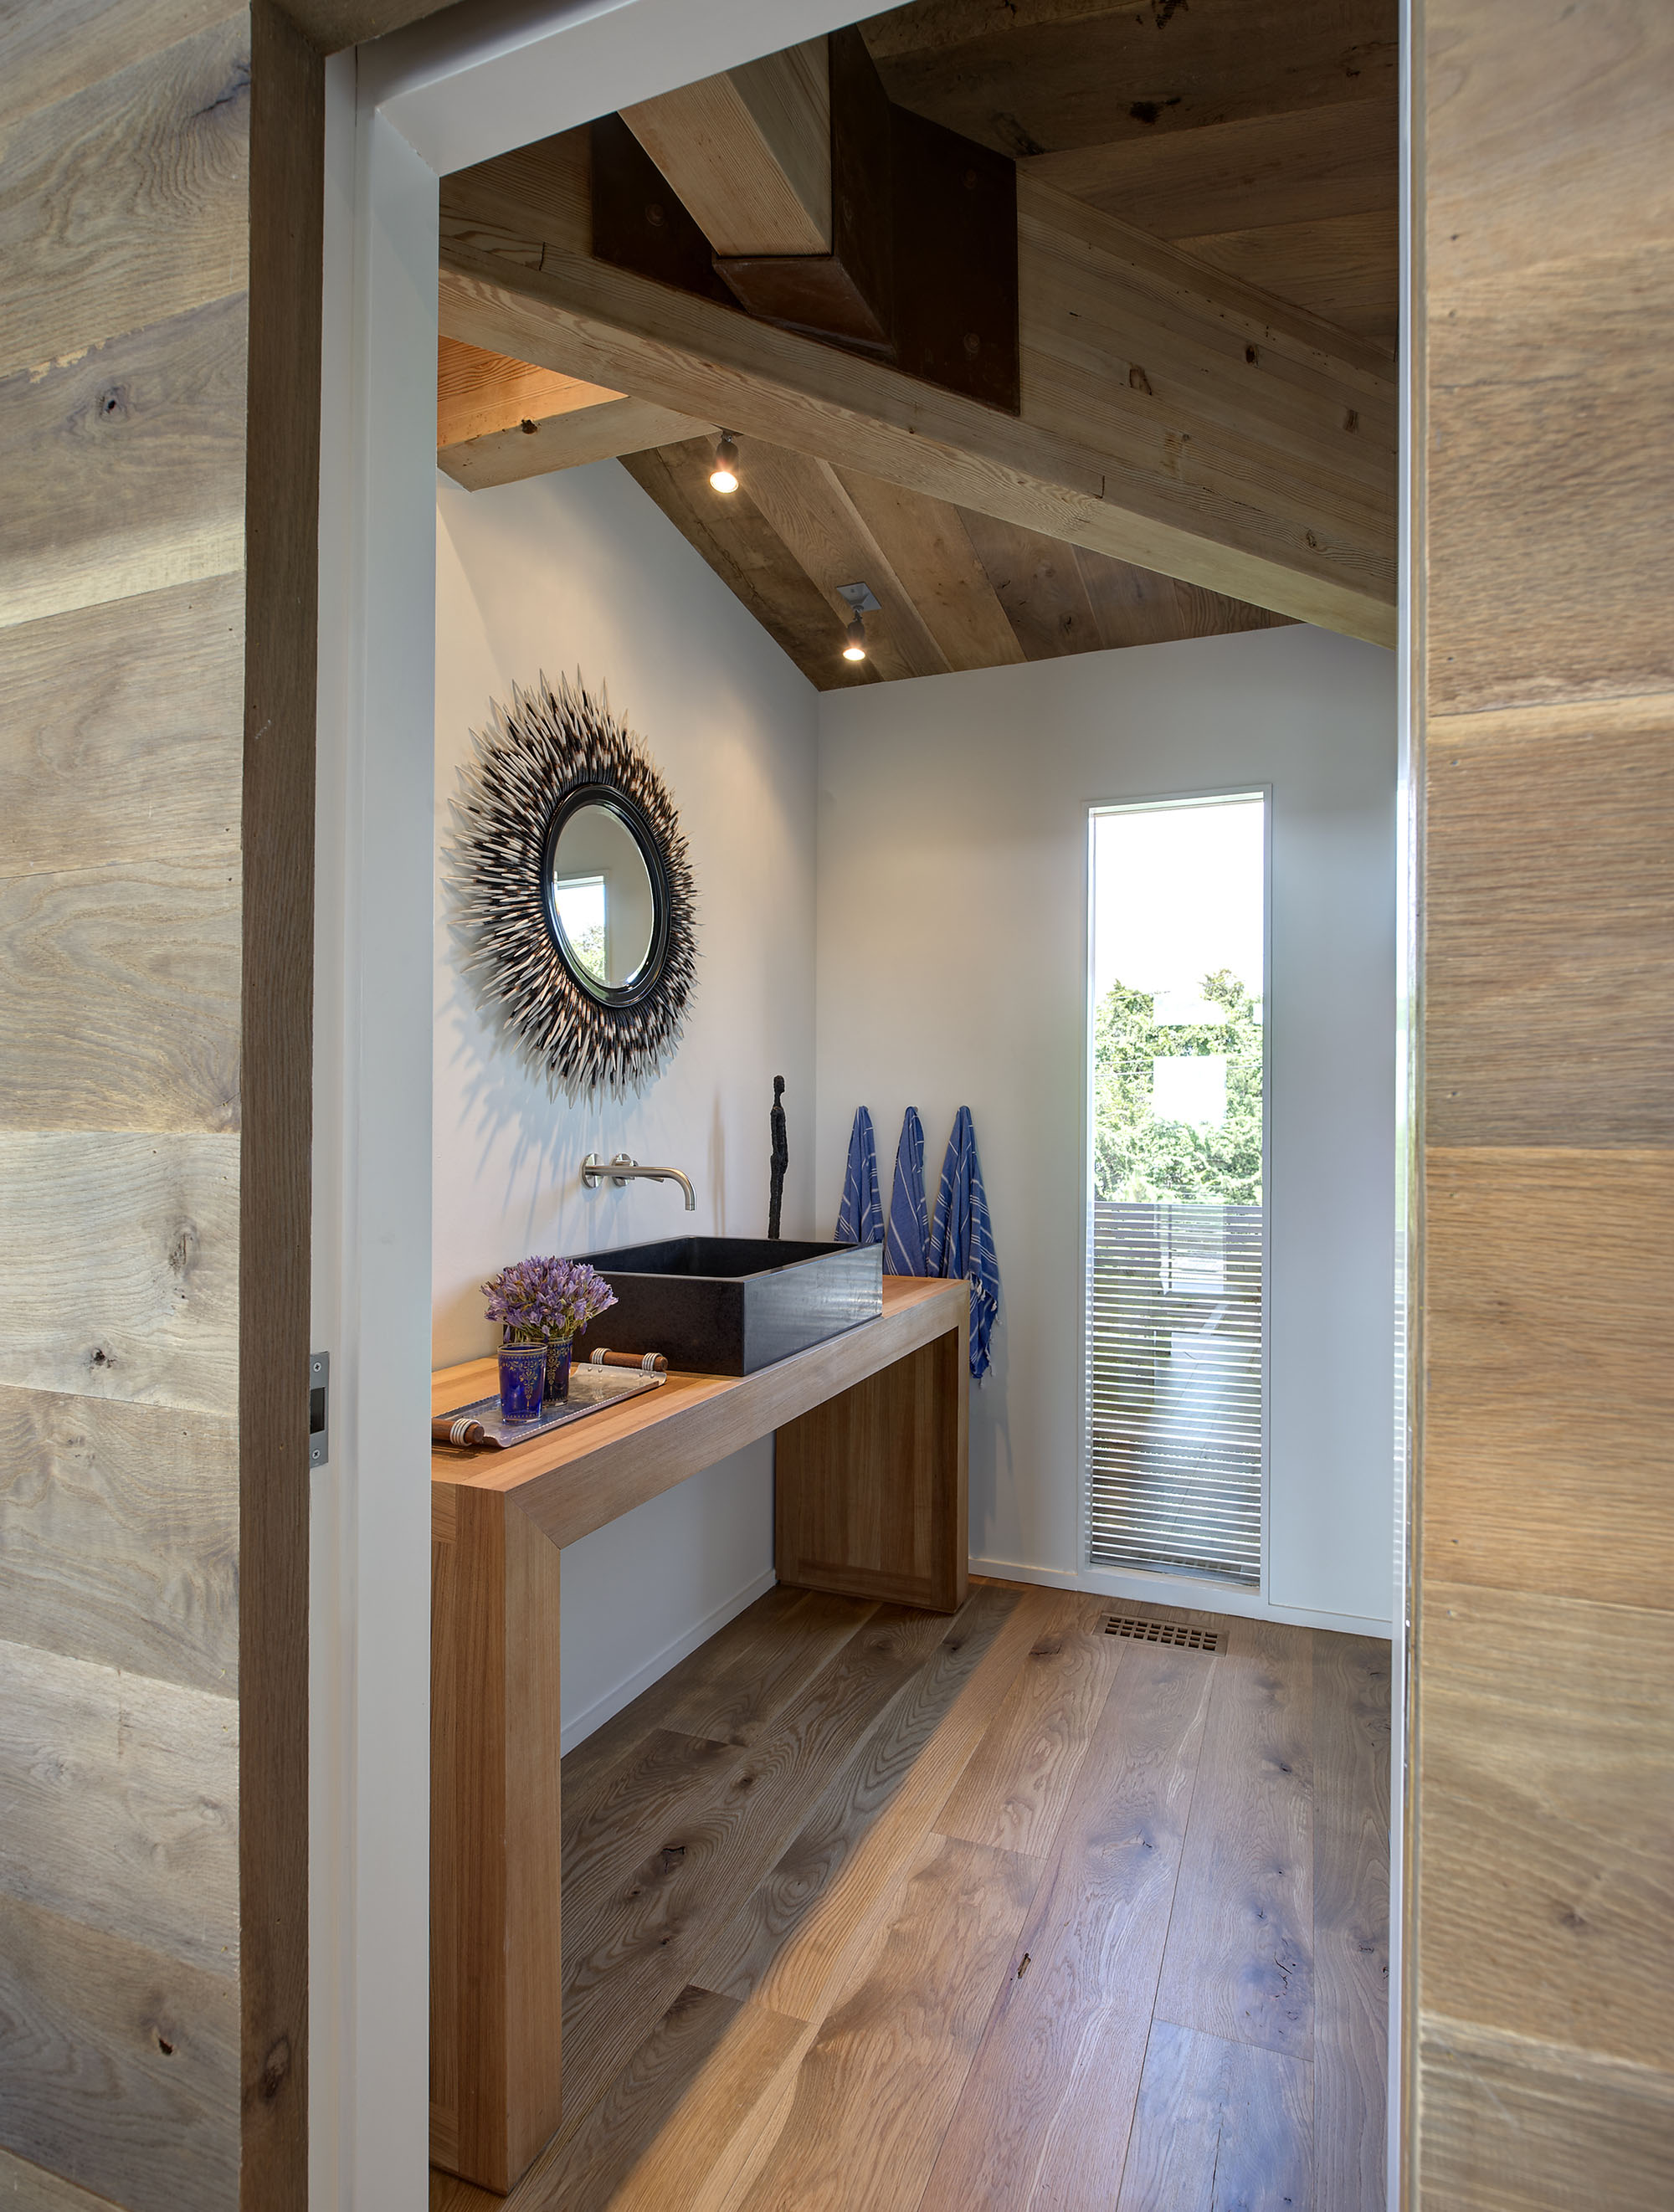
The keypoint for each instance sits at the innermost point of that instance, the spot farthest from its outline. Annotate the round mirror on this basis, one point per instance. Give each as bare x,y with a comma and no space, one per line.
602,894
572,886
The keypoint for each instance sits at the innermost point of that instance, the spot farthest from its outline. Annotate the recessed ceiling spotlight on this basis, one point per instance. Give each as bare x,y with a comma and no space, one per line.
723,476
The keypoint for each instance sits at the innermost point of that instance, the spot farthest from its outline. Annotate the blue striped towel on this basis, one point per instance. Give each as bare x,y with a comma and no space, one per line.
907,1244
860,1217
962,1241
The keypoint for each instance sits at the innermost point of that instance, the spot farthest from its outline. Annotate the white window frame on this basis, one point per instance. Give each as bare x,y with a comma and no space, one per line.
1139,1584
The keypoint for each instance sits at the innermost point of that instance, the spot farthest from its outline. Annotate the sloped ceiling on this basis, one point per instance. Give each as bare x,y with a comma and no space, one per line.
1261,136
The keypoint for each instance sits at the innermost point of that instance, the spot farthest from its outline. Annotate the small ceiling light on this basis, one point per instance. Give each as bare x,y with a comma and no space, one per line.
723,476
861,600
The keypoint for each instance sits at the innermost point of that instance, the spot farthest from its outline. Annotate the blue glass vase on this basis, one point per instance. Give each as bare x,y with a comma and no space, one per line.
523,1381
558,1372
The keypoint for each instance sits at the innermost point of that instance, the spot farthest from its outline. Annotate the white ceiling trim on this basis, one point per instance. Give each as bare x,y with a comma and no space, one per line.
469,83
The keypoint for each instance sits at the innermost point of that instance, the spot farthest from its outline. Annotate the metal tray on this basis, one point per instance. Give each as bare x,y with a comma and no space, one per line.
592,1390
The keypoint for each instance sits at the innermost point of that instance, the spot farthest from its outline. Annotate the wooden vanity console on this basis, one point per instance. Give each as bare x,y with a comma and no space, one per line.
870,1486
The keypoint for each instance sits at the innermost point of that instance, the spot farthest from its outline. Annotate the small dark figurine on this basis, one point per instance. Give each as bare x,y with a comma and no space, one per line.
775,1182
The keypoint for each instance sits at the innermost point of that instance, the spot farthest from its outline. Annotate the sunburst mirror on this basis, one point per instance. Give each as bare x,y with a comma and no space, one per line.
574,889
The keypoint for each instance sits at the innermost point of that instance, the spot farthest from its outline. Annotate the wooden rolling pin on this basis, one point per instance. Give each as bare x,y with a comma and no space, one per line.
649,1362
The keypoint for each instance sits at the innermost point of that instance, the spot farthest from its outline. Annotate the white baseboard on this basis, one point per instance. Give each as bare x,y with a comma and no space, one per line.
1179,1590
607,1707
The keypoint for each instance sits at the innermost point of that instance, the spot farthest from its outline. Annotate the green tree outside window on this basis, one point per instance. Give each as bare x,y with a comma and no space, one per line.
1139,1159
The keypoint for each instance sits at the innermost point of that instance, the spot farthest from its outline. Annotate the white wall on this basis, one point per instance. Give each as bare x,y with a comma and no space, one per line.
952,964
581,570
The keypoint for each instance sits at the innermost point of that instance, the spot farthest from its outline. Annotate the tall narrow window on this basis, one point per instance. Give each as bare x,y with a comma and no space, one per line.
1175,1331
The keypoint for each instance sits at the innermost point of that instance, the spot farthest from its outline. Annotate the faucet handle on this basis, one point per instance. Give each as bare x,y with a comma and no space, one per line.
594,1169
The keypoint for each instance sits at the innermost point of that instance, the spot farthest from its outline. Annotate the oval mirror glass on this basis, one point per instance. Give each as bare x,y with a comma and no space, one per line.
603,899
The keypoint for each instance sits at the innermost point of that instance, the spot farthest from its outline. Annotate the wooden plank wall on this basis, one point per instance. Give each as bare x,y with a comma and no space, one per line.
1541,1924
159,209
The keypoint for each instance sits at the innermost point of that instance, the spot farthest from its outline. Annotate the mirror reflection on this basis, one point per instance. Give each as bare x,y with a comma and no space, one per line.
601,890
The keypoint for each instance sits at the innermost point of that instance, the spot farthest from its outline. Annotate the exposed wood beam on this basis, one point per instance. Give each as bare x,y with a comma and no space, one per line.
788,177
1172,417
567,439
752,559
928,544
477,392
749,152
500,420
805,503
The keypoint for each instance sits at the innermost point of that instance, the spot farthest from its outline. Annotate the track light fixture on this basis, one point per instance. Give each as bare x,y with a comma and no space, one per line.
861,600
723,476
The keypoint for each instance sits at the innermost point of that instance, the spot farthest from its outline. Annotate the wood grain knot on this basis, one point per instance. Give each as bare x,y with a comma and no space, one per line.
275,2070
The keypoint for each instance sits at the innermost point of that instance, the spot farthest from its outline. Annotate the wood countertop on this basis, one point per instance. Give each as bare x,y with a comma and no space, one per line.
574,1479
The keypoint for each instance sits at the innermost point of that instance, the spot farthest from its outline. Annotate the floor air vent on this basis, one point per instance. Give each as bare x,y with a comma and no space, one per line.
1162,1632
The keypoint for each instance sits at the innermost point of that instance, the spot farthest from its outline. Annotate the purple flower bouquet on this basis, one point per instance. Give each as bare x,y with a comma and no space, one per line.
548,1301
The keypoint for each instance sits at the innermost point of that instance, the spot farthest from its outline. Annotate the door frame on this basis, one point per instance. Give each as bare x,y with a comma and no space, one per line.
401,112
1408,1193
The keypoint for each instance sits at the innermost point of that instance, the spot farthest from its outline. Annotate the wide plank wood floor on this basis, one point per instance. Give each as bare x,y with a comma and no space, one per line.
869,1910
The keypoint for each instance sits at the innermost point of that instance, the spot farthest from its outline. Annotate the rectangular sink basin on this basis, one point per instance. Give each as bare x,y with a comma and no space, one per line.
727,1305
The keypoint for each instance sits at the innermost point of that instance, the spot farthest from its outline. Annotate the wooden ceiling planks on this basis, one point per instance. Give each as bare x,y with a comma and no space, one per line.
751,559
1305,204
825,534
1265,149
1172,417
1261,171
989,595
1136,606
930,546
1284,173
1044,76
1061,599
1037,582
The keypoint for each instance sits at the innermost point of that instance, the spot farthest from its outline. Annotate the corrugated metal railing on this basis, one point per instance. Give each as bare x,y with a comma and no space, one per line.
1174,1337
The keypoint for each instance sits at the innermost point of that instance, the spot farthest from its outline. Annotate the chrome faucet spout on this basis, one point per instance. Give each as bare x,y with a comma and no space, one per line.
623,1168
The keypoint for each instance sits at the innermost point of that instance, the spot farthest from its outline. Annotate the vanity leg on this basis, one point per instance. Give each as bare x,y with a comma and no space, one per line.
870,1488
495,2078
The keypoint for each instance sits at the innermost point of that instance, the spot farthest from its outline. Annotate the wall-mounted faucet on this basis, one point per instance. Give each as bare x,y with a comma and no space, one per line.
622,1168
